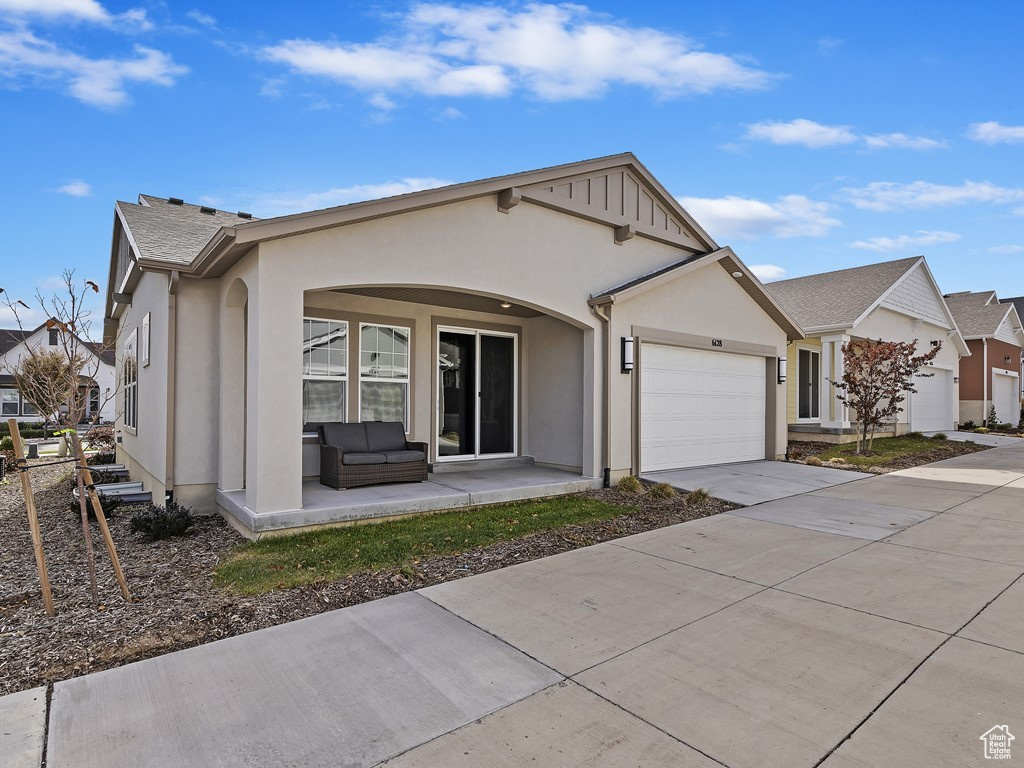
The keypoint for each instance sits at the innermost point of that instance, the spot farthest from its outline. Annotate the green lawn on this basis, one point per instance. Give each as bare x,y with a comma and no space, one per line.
885,450
330,553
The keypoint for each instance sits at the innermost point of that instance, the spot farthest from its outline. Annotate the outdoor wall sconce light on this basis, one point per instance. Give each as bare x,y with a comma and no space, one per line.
627,354
1007,360
956,379
783,365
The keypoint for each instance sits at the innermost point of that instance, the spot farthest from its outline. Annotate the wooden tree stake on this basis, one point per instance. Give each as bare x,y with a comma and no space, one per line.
33,517
97,508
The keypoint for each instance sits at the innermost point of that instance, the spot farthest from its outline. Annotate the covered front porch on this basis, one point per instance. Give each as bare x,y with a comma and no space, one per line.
443,490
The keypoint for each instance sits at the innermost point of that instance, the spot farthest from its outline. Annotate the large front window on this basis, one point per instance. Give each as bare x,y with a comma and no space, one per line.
130,382
324,370
384,373
9,402
809,384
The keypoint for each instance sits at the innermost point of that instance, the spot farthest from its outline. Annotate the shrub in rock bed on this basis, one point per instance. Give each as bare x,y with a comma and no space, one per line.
940,436
661,491
155,522
629,484
100,438
101,458
108,504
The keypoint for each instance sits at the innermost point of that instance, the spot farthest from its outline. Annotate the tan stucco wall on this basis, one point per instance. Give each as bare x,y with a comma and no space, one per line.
555,385
706,303
146,447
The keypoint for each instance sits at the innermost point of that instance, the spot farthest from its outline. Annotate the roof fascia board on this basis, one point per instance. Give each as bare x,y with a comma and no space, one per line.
794,331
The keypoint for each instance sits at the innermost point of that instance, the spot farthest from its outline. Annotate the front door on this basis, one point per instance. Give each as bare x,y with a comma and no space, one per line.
808,384
476,393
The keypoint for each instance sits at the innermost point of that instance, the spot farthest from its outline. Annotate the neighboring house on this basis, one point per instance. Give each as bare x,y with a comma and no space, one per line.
990,377
891,301
1018,303
98,391
494,319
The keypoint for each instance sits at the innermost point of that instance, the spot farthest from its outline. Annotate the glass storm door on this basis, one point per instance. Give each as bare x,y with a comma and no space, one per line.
476,394
809,383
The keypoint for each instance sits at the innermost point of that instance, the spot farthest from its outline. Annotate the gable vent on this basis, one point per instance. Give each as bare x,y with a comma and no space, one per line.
244,215
207,209
175,201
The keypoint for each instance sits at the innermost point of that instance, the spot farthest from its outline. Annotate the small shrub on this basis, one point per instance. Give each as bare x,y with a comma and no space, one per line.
155,522
661,491
993,418
916,435
629,484
980,430
813,461
100,439
967,426
697,496
795,453
1004,427
940,436
101,458
108,504
6,443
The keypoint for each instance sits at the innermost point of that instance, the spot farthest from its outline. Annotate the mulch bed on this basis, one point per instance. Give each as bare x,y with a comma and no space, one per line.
944,449
175,605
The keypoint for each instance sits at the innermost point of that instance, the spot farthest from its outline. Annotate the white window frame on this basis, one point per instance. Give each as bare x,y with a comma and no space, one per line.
435,438
130,397
821,386
144,342
341,377
17,402
386,380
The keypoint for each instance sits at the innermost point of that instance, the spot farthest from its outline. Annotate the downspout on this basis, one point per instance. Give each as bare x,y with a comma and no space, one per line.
986,375
604,313
172,355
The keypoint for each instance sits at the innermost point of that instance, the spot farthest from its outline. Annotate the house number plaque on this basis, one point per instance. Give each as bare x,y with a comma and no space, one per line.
716,342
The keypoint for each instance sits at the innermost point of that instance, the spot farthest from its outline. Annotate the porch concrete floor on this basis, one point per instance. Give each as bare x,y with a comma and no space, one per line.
448,490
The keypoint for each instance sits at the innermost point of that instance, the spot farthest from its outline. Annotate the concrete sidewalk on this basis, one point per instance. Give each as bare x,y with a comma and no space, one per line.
755,482
870,624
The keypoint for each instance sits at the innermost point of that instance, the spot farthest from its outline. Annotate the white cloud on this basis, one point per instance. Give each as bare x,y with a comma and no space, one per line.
76,188
554,52
87,10
449,113
382,102
993,132
99,82
902,141
737,217
826,45
814,135
766,273
280,205
204,19
905,242
1001,249
805,132
895,196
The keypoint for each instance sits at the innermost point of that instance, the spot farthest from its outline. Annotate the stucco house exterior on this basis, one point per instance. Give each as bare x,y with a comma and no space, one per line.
893,301
990,377
575,315
98,392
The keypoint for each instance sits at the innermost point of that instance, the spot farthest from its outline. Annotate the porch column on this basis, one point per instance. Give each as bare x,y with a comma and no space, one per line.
273,468
834,415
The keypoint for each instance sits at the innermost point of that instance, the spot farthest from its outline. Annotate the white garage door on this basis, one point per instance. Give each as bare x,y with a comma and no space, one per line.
1004,398
699,408
931,407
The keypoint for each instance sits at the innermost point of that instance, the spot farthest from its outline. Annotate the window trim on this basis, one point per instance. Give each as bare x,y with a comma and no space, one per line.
407,381
343,377
144,342
17,403
131,389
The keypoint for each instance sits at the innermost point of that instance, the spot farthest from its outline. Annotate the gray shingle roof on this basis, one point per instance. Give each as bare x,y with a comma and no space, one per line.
11,337
172,233
1018,302
974,315
837,298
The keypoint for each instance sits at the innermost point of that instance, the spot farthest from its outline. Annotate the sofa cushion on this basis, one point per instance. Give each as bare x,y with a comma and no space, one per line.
405,457
384,436
363,458
348,437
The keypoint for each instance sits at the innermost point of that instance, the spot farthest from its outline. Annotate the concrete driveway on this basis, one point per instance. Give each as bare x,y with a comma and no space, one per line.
981,439
876,623
754,482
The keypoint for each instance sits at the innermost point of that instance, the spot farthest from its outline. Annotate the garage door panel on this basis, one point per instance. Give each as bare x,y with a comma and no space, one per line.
699,407
931,407
1004,398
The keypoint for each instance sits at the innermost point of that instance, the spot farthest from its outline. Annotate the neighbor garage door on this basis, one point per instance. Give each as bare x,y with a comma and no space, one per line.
699,407
1005,398
931,407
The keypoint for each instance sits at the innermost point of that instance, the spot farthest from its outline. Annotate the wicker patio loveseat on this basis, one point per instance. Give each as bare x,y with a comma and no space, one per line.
369,453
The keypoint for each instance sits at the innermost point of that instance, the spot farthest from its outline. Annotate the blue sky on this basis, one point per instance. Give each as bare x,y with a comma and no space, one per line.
812,137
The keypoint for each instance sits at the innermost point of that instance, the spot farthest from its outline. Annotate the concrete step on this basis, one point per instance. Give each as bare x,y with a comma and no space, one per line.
470,465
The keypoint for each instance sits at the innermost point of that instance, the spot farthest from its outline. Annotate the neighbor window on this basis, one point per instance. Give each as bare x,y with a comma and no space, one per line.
130,382
324,370
809,383
9,399
384,373
27,409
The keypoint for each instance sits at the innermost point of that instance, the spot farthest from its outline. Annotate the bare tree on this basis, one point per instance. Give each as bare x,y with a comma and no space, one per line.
58,378
877,376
